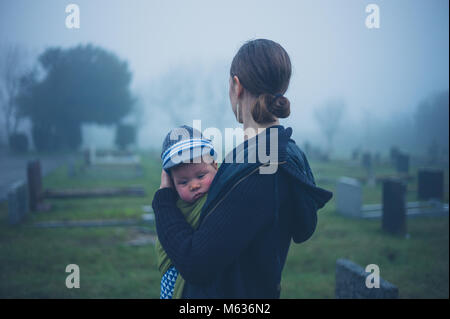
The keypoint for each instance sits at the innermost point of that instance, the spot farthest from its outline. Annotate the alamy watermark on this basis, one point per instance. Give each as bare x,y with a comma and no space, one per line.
373,19
73,17
73,280
262,146
373,279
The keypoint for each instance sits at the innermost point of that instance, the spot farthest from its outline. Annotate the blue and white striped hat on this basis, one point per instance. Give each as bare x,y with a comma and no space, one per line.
182,145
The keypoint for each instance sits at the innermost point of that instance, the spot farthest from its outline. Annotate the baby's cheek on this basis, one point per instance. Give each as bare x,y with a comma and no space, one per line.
185,196
183,193
207,182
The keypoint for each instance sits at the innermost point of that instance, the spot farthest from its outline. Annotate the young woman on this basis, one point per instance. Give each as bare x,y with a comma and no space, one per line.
250,217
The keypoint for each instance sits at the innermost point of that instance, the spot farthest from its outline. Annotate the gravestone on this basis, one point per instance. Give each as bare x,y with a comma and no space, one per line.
351,283
377,158
367,164
430,184
348,197
355,154
394,207
367,161
34,184
148,218
87,158
72,193
393,154
402,163
17,203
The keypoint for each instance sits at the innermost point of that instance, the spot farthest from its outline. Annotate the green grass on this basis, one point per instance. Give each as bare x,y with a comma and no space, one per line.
418,265
33,260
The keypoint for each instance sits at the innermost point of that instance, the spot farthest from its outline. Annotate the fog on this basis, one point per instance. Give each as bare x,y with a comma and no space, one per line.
186,47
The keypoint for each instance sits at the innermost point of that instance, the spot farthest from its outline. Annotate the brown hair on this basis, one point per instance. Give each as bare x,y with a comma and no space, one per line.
264,70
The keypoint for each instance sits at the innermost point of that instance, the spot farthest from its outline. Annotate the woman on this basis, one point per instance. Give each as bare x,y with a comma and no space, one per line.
250,217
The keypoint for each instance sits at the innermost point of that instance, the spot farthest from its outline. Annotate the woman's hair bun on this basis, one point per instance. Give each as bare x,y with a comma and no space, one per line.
269,107
280,107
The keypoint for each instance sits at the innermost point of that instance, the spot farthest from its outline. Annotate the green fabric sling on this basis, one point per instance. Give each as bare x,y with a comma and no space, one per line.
191,213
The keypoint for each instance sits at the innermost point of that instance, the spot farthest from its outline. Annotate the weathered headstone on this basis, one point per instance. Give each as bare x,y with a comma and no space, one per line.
394,207
367,164
34,175
348,197
87,223
87,157
351,283
430,184
377,158
148,218
402,163
393,154
17,203
355,154
367,160
130,191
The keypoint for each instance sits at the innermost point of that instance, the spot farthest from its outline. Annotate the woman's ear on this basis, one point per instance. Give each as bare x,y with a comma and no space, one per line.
237,86
214,164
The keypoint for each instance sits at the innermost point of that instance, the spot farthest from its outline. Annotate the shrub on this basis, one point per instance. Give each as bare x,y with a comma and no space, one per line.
125,135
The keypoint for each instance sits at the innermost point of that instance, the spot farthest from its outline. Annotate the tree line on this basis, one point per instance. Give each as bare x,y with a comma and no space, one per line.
62,90
66,88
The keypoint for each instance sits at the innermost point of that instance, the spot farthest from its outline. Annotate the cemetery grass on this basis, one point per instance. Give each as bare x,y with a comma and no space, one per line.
33,260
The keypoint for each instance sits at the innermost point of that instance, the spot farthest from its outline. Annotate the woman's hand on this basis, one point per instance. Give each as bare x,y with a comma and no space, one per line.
166,181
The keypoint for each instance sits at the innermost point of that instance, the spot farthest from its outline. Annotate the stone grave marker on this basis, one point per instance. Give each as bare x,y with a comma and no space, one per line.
87,157
37,195
17,203
132,191
355,154
430,184
377,158
34,184
348,197
394,151
394,207
402,163
367,160
351,283
368,165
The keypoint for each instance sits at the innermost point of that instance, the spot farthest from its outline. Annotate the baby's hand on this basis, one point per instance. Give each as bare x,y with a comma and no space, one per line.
166,181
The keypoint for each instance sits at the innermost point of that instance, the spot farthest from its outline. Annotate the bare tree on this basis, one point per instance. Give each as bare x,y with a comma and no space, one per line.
12,67
174,94
431,121
217,107
187,93
329,116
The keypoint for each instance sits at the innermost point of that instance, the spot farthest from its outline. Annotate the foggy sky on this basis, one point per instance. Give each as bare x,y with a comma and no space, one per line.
382,71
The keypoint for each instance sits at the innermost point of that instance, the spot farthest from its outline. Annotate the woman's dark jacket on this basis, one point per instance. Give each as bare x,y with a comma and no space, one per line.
247,223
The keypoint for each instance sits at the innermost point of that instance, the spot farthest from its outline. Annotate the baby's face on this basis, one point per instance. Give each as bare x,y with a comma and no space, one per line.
192,180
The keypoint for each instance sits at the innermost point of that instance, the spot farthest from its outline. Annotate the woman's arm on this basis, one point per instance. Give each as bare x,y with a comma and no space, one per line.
201,254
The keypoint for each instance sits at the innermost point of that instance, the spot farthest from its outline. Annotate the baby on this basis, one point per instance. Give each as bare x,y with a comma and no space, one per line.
189,159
